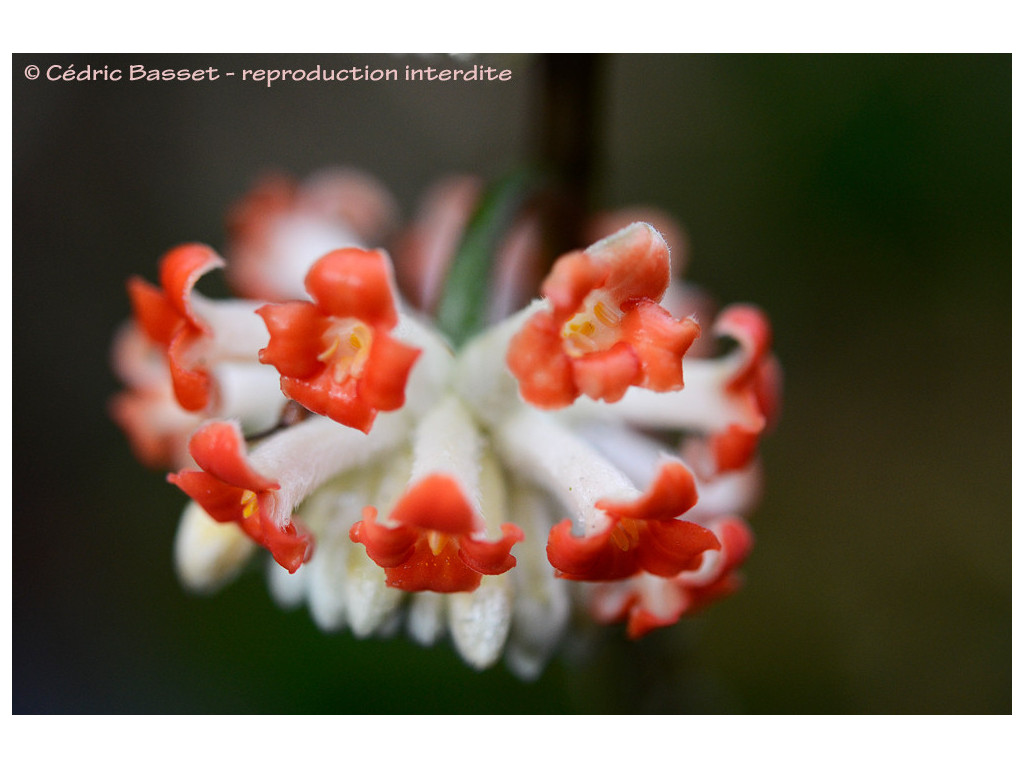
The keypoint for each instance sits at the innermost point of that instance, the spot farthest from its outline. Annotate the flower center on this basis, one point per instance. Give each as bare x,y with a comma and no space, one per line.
347,346
626,533
593,328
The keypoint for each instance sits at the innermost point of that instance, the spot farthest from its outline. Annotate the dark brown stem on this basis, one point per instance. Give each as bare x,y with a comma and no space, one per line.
568,143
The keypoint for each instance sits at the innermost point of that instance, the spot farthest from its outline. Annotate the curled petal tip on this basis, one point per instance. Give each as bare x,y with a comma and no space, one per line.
180,268
219,448
660,341
153,313
491,557
673,492
638,260
387,546
296,330
571,279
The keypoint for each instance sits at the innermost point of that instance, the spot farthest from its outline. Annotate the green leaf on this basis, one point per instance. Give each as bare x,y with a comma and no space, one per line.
462,311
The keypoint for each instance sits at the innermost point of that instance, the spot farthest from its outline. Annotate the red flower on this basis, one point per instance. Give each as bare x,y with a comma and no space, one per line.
167,317
281,227
231,491
434,545
755,386
157,427
643,535
605,330
647,603
335,354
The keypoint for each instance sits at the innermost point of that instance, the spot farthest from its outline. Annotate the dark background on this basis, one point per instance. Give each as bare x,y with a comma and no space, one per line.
863,201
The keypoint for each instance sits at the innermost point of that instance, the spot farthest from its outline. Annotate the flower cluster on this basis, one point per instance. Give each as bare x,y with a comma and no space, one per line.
592,453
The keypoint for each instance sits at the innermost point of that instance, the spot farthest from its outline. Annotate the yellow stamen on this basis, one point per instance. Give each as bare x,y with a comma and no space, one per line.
328,353
595,327
632,529
602,313
249,504
437,541
348,346
626,534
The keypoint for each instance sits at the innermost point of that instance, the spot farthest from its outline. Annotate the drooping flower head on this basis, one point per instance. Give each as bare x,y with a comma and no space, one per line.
474,486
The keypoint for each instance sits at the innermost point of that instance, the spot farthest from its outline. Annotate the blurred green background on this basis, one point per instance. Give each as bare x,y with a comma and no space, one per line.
863,201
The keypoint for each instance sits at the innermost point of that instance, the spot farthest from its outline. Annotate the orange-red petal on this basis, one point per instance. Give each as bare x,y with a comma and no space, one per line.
436,503
572,277
219,448
540,365
660,341
734,448
386,372
642,621
668,547
756,385
296,338
387,546
166,316
156,316
737,543
589,558
672,493
606,375
192,384
339,402
491,557
352,282
638,263
160,310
